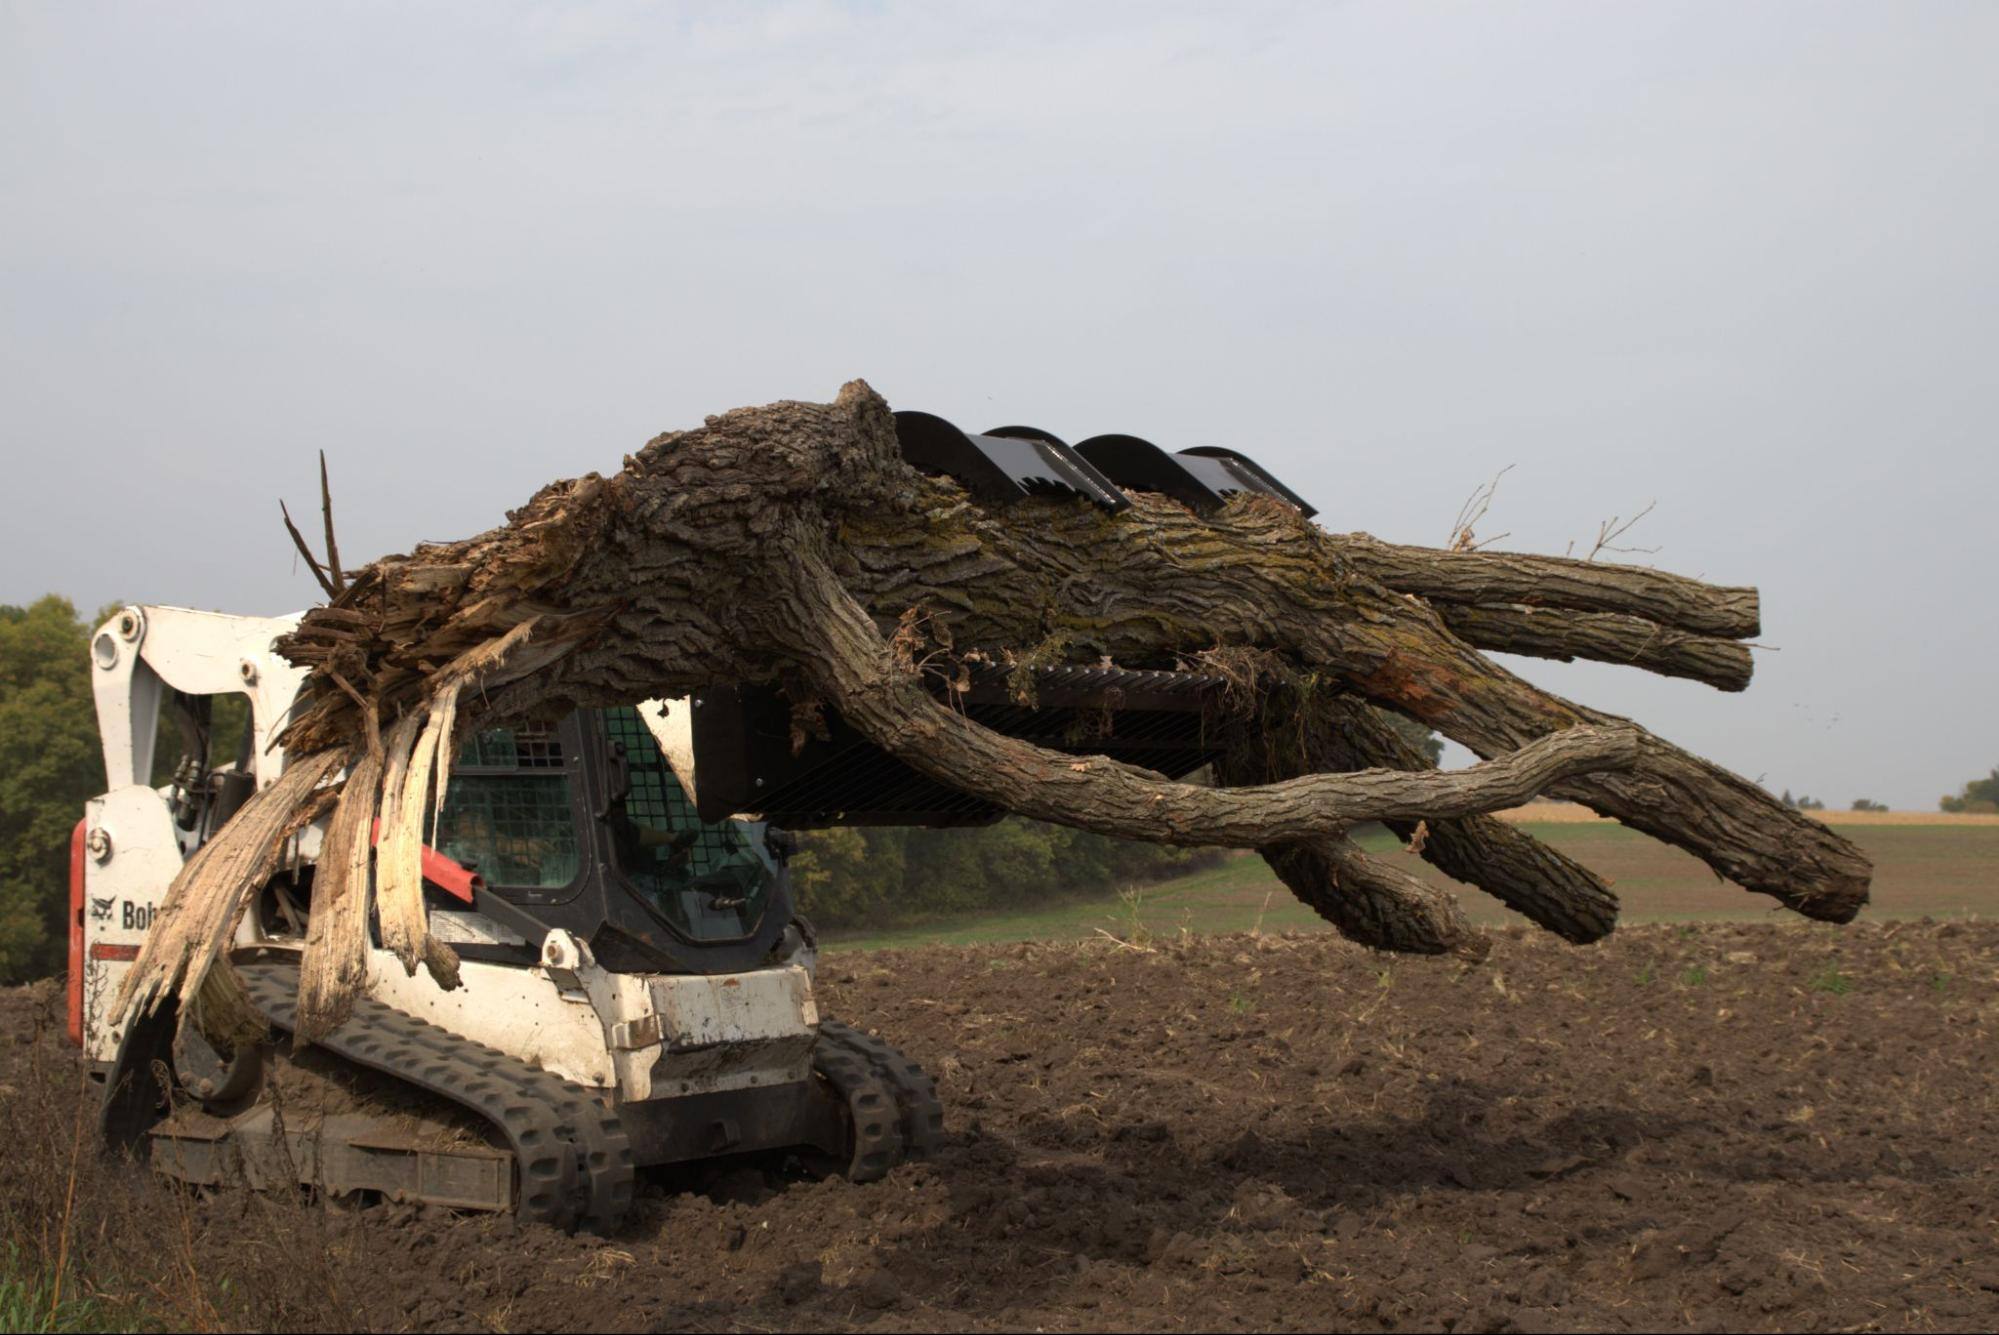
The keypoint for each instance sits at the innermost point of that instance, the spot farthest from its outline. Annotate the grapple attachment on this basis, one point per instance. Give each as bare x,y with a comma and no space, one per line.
749,757
1009,462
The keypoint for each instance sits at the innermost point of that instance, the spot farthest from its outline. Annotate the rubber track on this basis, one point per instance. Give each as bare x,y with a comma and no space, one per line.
576,1168
915,1093
872,1111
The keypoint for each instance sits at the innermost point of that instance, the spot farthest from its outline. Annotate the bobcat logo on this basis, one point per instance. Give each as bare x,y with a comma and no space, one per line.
100,909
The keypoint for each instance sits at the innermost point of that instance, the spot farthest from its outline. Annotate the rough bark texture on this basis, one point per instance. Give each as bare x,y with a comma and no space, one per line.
846,660
1608,637
1374,902
1547,887
1554,581
792,544
1299,731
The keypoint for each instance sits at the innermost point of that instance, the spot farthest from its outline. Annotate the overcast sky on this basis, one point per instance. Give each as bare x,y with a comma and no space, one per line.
1735,259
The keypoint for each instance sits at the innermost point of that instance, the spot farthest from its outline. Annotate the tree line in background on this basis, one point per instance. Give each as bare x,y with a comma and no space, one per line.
1980,795
885,876
888,876
51,763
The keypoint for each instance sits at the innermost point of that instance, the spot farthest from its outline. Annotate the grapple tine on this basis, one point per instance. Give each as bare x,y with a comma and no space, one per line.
1003,468
1229,471
1009,462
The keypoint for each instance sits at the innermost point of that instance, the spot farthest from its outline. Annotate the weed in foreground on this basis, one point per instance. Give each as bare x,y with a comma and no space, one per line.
1256,928
93,1241
1833,981
1136,933
32,1300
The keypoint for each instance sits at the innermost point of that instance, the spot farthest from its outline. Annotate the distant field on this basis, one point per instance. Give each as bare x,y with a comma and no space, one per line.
1941,867
1571,813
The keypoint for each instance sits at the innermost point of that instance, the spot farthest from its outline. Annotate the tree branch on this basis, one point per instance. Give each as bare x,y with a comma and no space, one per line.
1418,668
1606,637
338,580
1521,872
1374,903
1294,731
326,583
1557,581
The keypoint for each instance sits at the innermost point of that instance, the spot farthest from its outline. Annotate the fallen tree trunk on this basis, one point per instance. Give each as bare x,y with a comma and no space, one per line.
792,544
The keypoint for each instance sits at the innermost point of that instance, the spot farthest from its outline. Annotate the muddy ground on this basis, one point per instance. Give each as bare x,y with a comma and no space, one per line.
1723,1127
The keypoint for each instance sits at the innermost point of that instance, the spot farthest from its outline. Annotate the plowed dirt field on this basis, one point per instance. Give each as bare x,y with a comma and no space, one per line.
1716,1127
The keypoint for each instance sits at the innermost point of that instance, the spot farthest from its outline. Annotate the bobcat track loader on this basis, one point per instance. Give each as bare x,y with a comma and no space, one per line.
636,988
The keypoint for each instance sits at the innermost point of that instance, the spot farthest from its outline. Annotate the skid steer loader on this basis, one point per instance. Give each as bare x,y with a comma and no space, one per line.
636,987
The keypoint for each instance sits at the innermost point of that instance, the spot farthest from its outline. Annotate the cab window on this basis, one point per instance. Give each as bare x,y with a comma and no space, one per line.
710,879
507,812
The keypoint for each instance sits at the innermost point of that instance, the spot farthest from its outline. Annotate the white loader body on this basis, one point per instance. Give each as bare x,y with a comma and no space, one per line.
634,1036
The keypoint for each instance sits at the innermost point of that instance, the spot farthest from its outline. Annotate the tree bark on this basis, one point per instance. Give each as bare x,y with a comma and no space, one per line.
1295,731
1607,637
1476,578
1257,575
1375,903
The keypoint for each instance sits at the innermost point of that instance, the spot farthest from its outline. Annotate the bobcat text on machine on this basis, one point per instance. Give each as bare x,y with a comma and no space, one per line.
636,988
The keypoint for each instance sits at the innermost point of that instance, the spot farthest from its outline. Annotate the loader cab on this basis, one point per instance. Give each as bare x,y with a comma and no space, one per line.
585,826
